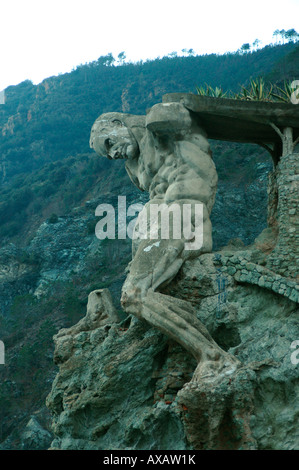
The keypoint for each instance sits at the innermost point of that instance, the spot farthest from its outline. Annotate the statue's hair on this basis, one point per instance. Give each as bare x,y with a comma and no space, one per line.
134,123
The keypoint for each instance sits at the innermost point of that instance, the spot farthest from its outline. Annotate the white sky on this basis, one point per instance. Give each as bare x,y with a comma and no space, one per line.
43,38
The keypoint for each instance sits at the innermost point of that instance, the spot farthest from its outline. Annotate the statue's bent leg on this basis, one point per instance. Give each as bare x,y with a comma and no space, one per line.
177,319
156,262
174,317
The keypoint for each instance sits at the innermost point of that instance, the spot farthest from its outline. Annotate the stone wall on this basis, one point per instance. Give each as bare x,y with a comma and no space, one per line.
284,258
243,270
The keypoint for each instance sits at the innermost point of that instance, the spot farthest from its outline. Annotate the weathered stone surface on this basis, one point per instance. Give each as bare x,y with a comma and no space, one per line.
35,437
103,396
121,386
237,120
284,258
258,327
100,312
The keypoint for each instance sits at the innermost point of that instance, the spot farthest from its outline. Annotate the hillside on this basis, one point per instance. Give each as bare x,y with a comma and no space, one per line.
51,121
51,183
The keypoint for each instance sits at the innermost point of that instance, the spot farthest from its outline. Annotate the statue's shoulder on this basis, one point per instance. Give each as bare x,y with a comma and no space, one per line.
168,118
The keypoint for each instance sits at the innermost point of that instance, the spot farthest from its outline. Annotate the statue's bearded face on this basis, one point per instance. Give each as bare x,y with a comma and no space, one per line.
111,138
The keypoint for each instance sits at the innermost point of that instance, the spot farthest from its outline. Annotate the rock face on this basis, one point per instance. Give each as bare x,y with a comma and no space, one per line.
110,376
258,327
35,437
126,386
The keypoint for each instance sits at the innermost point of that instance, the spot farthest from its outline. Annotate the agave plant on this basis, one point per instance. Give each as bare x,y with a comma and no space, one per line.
257,91
210,91
283,94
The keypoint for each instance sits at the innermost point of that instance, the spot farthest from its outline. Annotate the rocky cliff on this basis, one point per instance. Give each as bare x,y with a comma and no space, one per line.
119,384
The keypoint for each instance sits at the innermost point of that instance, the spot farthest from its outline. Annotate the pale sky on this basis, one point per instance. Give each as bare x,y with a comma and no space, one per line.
43,38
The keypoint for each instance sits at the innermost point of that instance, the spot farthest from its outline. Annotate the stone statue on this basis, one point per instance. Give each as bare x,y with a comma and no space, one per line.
167,154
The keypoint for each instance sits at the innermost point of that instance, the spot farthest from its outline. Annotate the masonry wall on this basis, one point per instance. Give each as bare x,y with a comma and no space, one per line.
284,259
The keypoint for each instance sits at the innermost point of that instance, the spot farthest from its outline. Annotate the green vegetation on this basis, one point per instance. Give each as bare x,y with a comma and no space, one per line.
283,93
44,146
28,337
62,184
207,90
51,121
258,90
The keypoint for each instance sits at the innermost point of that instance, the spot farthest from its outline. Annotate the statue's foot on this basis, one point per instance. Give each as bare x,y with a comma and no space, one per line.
215,367
216,407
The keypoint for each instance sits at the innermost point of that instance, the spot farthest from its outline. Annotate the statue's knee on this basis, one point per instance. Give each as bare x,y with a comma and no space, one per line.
130,299
124,298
